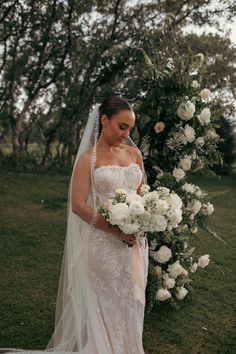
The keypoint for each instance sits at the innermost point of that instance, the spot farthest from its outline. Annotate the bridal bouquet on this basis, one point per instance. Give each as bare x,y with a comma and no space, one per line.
154,211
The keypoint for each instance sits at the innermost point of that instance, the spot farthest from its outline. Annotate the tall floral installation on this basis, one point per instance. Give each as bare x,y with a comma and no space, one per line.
177,120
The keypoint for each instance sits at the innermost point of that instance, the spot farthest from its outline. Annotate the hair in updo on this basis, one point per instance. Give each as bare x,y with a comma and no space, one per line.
111,106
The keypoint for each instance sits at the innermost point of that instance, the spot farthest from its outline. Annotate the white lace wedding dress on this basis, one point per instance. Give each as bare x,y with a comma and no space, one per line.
104,312
118,293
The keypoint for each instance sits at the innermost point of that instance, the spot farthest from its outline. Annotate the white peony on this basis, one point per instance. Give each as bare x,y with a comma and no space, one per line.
193,267
203,261
186,110
175,269
181,293
186,163
163,294
118,213
136,208
159,127
178,173
195,84
204,117
205,93
163,254
200,141
189,133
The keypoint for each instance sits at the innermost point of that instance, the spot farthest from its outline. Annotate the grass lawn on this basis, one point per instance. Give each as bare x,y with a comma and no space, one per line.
32,230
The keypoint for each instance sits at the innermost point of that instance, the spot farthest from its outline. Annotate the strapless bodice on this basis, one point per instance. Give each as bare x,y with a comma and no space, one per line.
109,178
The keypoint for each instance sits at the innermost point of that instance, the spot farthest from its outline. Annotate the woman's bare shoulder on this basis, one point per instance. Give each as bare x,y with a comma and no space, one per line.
134,151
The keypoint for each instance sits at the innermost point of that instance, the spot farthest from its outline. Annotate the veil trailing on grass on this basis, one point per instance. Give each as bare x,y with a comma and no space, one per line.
74,299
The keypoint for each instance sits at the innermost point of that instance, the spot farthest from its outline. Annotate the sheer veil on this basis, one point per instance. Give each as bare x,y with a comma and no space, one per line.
74,303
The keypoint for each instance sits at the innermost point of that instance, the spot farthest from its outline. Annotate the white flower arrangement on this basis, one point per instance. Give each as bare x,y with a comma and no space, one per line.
151,212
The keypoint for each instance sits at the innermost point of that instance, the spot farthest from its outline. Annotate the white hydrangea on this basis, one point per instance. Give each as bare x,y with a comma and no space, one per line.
159,223
189,188
186,110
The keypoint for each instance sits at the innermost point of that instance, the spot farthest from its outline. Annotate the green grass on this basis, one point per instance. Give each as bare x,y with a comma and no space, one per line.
32,231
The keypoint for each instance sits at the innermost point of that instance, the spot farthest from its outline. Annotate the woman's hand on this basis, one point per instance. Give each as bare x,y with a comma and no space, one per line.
129,239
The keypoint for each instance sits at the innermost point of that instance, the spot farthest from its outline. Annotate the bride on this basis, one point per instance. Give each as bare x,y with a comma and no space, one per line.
101,294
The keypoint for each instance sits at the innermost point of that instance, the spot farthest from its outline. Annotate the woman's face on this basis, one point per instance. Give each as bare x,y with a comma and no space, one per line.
117,128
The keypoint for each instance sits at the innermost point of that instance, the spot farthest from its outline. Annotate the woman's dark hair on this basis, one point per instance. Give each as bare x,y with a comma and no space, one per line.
111,106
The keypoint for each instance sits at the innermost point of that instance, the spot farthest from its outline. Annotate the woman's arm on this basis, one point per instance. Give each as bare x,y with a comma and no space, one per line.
81,184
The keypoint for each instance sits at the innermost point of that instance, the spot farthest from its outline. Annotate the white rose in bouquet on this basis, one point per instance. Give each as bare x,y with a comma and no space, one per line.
163,254
159,127
193,267
163,294
186,110
189,133
205,93
118,213
175,269
204,117
186,163
203,261
178,173
136,208
161,206
181,293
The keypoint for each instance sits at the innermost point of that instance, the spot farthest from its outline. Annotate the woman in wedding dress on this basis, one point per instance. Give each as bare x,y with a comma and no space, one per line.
101,294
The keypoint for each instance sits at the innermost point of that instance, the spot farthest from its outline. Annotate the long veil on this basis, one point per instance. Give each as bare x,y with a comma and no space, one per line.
74,299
